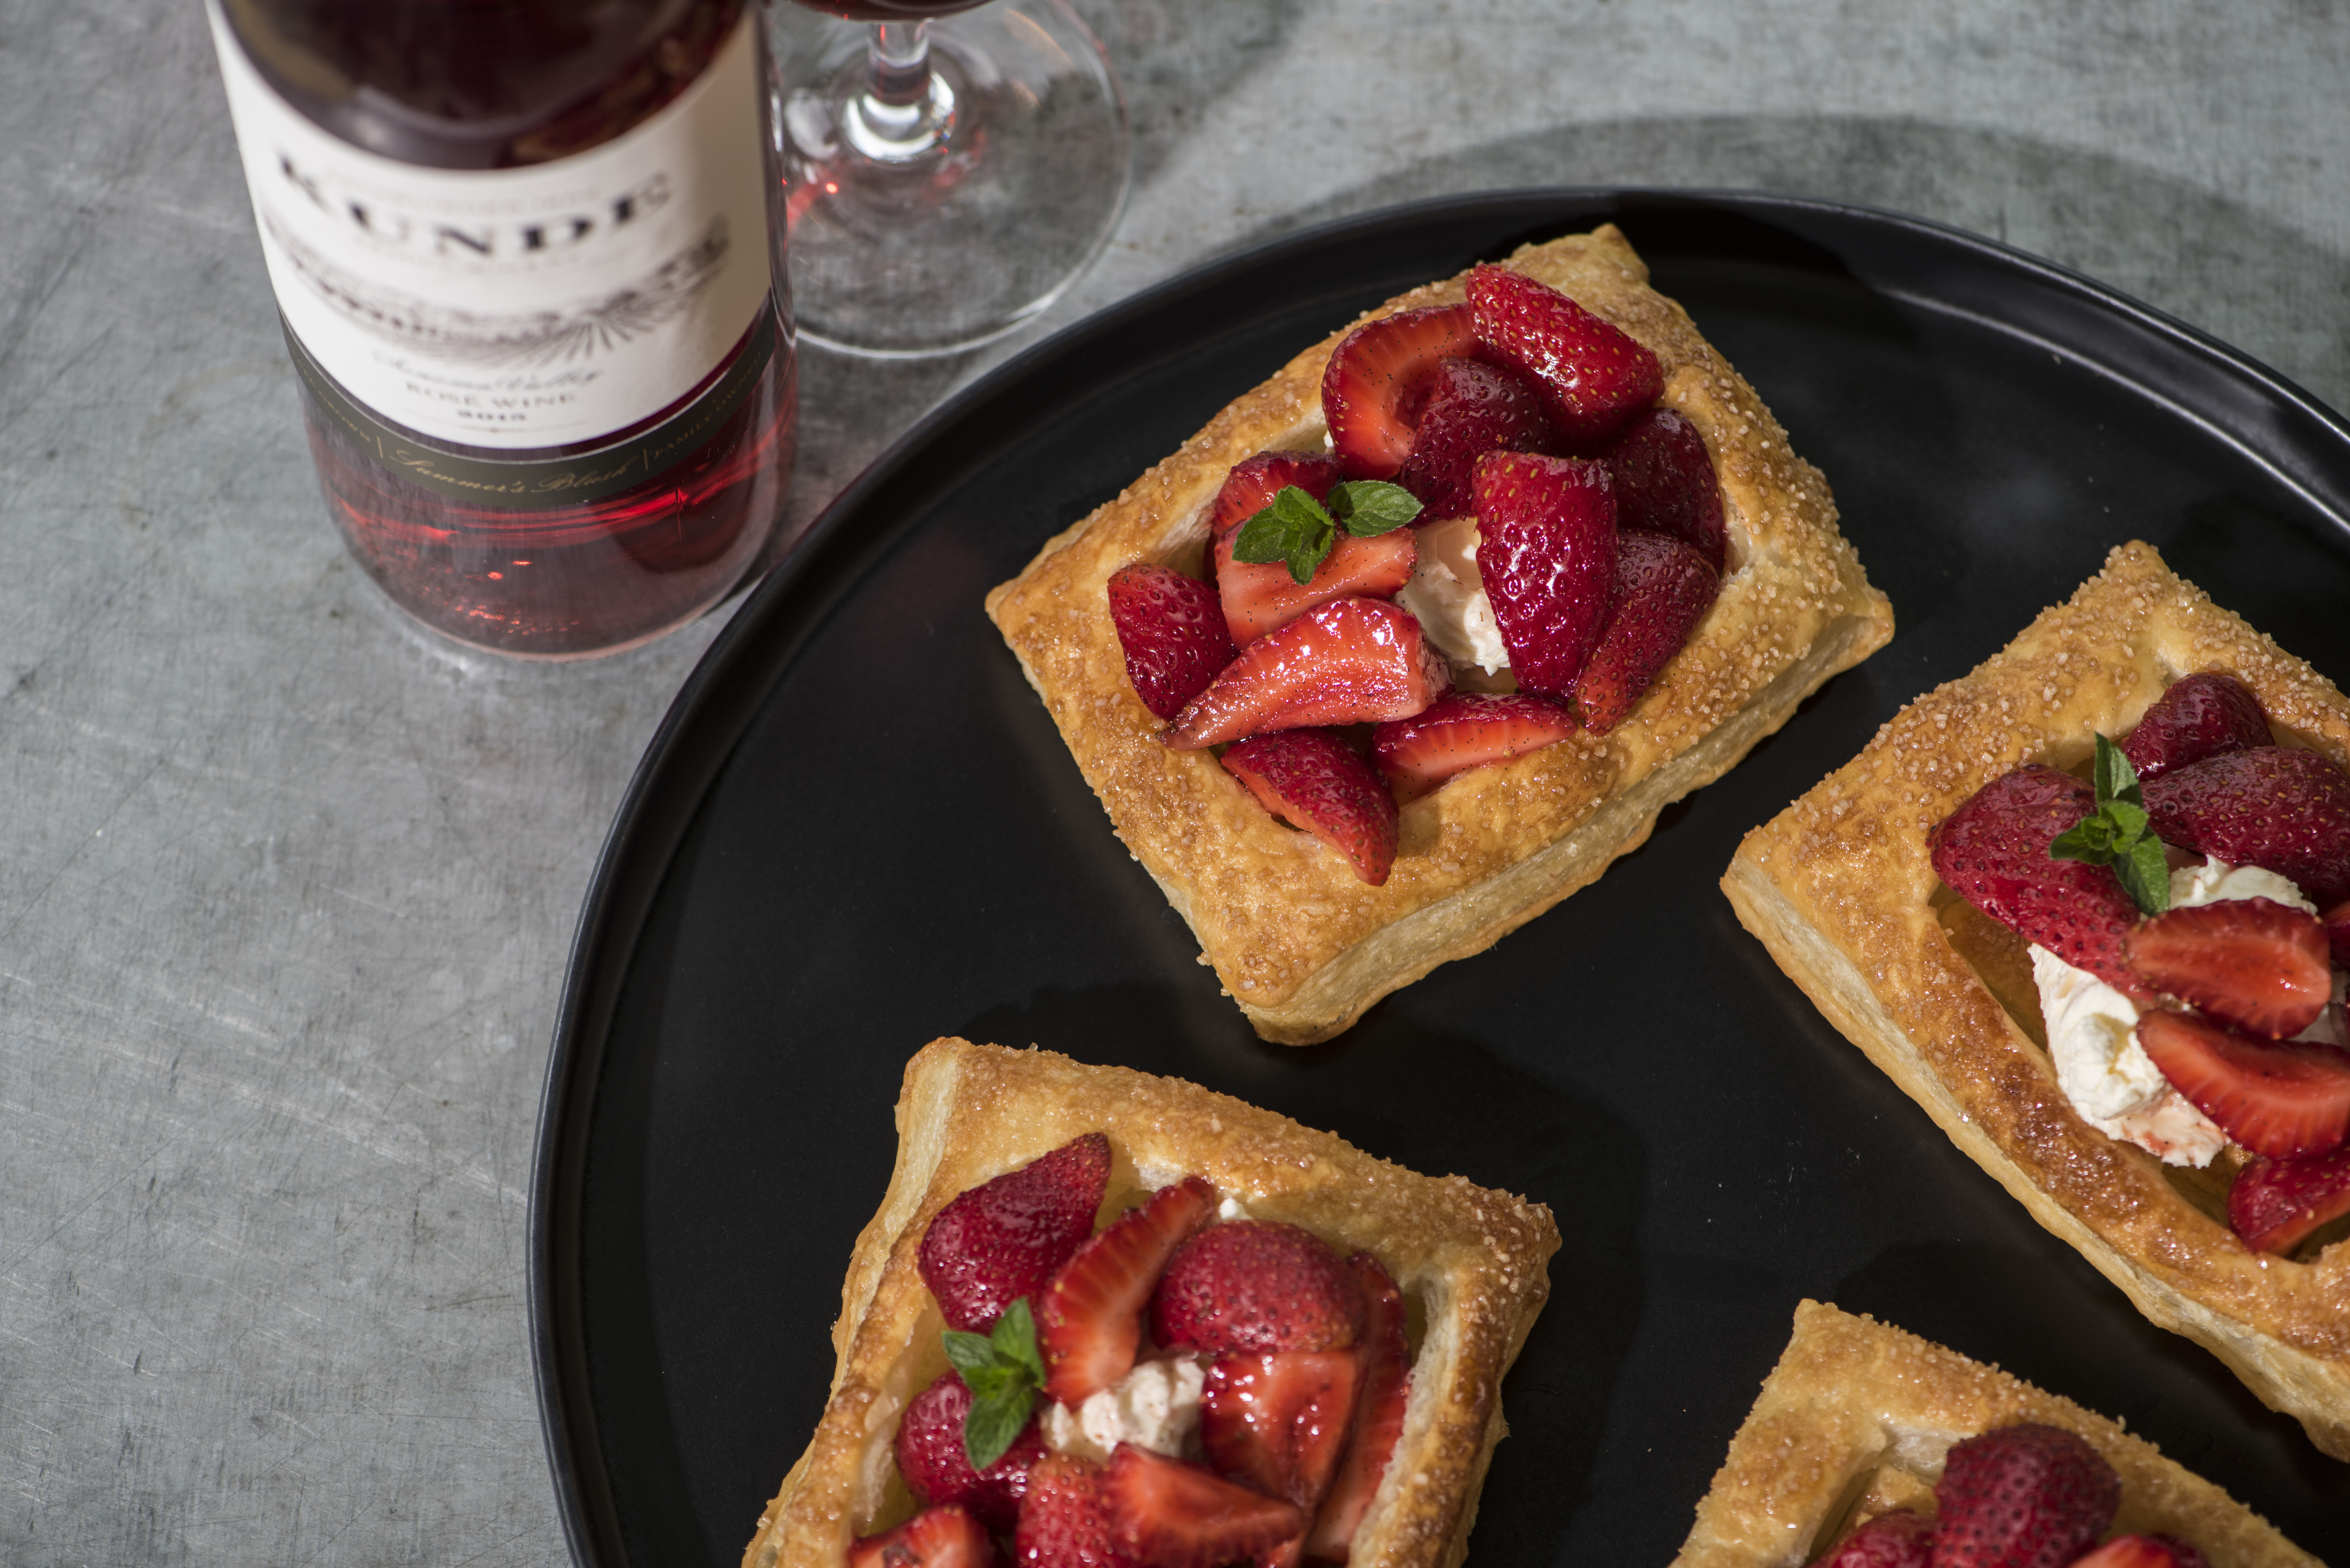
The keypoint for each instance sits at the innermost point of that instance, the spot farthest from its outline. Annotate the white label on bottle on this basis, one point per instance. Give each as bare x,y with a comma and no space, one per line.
513,308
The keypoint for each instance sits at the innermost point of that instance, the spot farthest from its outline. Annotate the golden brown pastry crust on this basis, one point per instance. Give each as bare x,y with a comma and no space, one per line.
1857,1409
1476,1261
1296,938
1840,887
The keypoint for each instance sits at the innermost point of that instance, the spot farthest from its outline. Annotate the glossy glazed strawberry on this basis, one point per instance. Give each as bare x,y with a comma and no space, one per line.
1664,483
1896,1540
1259,598
2280,808
2026,1496
1994,852
1165,1513
1464,730
1172,629
1663,589
1003,1240
1313,780
1546,551
1378,381
934,1537
1599,378
1253,481
2288,1099
2143,1551
1256,1285
2276,1204
2253,963
1278,1424
1065,1519
1347,662
2198,716
1471,408
1089,1319
932,1458
1378,1413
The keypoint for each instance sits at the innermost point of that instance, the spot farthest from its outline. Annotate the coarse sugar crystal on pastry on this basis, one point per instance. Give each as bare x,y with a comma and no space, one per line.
1865,1438
1416,637
2086,906
1106,1318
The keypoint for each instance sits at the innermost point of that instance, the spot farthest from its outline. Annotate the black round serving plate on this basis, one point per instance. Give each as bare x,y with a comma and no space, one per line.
857,830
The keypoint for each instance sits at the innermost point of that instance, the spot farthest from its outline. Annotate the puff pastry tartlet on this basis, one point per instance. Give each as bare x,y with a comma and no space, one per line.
1842,889
1298,939
1471,1265
1856,1419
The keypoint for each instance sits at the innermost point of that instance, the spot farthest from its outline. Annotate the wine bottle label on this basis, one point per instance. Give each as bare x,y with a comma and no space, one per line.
514,308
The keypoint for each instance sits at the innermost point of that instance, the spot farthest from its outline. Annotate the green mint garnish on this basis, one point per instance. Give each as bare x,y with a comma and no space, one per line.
1298,530
1003,1370
2116,834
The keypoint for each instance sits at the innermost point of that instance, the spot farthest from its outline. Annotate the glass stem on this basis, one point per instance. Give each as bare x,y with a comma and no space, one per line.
908,110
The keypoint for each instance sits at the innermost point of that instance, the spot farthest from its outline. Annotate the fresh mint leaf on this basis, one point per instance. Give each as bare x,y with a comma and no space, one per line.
2115,778
1291,528
1004,1369
2117,832
2145,875
1369,507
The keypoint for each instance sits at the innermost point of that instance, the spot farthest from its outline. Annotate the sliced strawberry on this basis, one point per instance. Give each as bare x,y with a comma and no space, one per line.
935,1538
1896,1540
1253,481
1172,629
1259,598
1350,662
1313,780
1377,380
2336,921
1663,589
1256,1285
1165,1513
2288,1100
1379,1414
1471,408
2253,963
1546,551
935,1463
1994,852
2198,716
1004,1239
2276,1204
1279,1424
2143,1551
2026,1496
2280,808
1065,1519
1664,482
1599,377
1090,1319
1464,730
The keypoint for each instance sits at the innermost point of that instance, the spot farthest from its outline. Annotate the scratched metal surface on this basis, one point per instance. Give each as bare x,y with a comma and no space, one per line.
285,888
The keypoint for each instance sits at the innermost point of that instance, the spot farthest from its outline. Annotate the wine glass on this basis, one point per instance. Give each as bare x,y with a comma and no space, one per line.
950,171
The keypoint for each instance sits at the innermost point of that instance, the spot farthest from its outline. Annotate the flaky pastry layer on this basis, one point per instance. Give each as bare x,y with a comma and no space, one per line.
1856,1418
1295,937
1841,888
1472,1266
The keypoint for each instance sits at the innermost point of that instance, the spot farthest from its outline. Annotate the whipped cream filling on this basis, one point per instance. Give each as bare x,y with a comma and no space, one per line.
1154,1406
1448,596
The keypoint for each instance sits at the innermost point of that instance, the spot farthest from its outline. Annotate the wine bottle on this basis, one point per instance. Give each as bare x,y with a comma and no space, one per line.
528,255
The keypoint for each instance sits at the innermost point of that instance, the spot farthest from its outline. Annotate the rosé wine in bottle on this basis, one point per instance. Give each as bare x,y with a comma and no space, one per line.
528,255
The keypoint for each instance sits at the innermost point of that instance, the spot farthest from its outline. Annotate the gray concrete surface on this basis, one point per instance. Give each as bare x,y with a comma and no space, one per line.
285,887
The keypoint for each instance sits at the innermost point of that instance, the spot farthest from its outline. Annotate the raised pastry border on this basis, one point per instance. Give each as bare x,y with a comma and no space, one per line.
1474,1261
1839,887
1296,938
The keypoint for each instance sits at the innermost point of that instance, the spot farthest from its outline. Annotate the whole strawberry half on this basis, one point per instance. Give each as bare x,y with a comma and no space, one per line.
1313,780
1994,852
1351,661
2144,1552
2259,965
1599,378
935,1538
1004,1239
1896,1540
2275,1205
1173,630
1378,1413
1464,730
1253,481
1378,381
1065,1519
1256,1285
1664,482
2278,807
2287,1099
1259,598
1546,551
1090,1318
932,1458
1279,1423
1471,408
1663,589
2026,1496
2198,716
1165,1513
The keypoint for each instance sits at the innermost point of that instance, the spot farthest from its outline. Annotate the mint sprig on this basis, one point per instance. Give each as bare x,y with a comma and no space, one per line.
2116,834
1300,531
1003,1370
